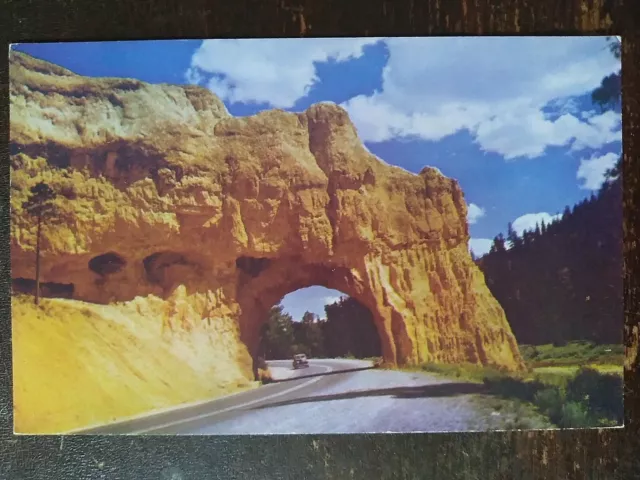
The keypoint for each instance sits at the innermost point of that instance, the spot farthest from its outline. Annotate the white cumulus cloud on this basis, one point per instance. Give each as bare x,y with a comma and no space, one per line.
529,221
494,87
474,213
480,246
592,170
527,133
273,71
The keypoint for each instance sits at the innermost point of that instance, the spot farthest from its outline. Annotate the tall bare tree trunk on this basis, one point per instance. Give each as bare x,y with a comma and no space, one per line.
37,299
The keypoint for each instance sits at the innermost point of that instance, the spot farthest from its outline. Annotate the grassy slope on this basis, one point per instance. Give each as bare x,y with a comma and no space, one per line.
546,361
78,364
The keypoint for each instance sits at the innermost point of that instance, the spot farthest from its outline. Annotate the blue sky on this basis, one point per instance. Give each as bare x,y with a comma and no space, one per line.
509,118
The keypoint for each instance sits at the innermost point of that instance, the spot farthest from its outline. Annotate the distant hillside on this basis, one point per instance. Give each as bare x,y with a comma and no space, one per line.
563,281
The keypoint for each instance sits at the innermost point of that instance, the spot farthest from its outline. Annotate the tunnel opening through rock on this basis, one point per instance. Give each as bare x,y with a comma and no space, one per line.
107,264
318,323
294,277
27,286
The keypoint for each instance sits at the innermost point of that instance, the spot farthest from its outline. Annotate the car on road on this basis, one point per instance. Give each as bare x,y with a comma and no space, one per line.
300,360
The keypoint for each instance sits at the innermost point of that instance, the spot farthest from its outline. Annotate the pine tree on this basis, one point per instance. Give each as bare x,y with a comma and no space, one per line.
278,334
40,204
512,237
498,244
308,317
309,335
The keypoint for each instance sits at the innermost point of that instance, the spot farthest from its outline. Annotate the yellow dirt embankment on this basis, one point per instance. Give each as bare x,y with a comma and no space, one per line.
78,364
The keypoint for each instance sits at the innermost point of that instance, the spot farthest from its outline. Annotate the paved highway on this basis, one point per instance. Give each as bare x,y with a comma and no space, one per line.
330,396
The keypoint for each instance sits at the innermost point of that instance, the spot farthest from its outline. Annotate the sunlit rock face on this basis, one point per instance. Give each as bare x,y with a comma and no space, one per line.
159,187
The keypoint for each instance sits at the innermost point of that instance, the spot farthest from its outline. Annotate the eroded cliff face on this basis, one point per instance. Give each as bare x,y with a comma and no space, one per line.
161,187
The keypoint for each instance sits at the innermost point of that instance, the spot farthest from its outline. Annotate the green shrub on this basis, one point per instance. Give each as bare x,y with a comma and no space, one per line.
574,415
517,423
601,392
585,382
550,402
528,352
587,398
607,422
510,387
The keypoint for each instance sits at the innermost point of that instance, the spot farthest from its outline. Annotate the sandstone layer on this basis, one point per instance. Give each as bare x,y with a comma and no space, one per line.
160,187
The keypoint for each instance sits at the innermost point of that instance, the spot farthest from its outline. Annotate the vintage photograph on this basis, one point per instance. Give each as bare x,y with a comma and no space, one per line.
316,235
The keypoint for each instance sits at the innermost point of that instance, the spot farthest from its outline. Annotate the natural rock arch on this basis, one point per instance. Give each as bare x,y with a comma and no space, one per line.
404,339
257,296
245,210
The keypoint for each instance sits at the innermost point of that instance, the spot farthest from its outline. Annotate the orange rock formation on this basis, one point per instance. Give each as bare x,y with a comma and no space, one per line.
161,187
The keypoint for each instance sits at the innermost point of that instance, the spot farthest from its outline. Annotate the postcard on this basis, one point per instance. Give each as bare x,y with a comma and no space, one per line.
316,235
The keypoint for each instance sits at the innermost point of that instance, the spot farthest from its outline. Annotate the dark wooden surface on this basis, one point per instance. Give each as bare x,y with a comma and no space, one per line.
520,455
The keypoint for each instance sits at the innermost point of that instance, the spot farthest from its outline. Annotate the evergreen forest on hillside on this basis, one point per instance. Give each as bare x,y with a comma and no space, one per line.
563,281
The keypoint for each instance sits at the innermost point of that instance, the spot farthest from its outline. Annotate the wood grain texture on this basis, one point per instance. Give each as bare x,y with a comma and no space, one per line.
521,455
